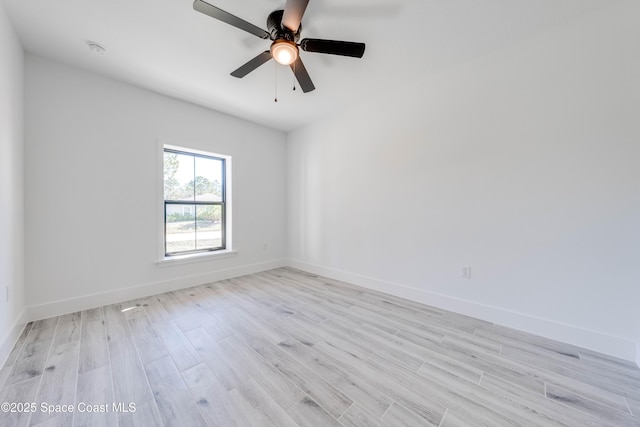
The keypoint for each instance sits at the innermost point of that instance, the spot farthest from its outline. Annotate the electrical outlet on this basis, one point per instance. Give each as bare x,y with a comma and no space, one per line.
465,271
265,247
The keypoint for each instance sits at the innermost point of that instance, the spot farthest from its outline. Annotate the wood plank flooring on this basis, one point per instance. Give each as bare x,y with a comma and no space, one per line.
288,348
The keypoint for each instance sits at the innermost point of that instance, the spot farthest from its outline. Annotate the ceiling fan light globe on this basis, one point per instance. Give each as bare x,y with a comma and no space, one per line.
284,52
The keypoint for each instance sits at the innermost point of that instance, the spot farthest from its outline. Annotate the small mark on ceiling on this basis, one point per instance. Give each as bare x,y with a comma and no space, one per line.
96,47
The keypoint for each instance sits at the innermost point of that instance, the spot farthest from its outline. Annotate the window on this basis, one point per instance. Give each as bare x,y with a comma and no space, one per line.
195,207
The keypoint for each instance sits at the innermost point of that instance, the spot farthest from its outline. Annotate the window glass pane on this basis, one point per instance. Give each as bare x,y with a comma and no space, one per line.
208,180
178,176
180,228
194,183
209,226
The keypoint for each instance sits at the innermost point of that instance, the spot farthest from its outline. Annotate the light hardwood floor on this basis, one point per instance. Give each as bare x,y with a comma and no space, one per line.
289,348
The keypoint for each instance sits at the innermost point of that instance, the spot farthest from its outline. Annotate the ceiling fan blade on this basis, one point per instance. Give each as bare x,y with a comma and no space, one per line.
293,11
333,47
302,76
252,65
228,18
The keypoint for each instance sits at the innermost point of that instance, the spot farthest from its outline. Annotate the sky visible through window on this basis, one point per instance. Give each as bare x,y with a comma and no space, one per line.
184,174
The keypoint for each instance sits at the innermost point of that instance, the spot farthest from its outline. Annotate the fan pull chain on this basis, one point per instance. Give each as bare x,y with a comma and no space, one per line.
294,76
275,81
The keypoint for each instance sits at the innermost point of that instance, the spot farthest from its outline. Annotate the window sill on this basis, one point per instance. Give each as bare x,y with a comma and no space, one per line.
191,258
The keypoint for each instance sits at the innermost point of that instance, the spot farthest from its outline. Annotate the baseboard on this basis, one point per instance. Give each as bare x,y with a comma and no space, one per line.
85,302
7,343
592,340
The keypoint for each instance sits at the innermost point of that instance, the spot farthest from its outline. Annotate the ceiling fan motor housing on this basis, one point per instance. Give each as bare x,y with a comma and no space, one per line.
279,31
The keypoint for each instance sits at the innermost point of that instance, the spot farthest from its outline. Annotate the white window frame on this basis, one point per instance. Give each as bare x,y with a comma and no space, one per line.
161,258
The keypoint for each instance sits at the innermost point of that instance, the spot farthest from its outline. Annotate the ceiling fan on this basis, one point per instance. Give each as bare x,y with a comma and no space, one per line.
284,31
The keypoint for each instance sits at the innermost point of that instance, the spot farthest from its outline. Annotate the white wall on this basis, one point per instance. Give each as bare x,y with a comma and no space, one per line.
523,165
92,181
11,186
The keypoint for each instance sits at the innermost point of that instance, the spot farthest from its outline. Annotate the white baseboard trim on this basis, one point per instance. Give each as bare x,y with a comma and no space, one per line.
85,302
597,341
7,343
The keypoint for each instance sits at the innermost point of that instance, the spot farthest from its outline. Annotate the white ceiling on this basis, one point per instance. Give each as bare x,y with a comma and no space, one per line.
169,48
